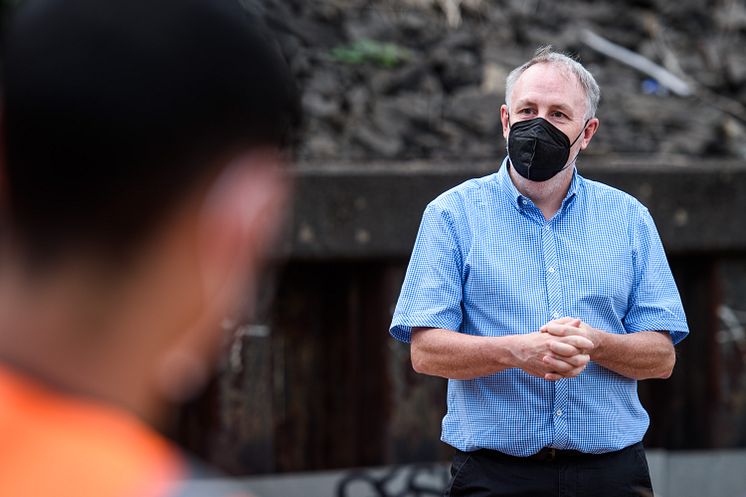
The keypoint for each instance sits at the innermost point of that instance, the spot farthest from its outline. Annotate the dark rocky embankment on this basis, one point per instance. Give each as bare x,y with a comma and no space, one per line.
424,79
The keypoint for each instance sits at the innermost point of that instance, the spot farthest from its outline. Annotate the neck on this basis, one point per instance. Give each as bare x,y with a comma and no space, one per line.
546,195
71,352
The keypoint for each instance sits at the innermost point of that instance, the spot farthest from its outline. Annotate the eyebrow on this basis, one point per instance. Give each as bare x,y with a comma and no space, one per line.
562,107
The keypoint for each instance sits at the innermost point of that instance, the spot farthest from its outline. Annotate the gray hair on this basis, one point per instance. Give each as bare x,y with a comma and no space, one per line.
545,55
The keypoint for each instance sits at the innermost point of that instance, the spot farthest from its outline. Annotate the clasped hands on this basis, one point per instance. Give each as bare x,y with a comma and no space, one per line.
560,349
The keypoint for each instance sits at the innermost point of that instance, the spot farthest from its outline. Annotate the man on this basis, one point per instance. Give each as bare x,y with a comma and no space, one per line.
142,189
543,297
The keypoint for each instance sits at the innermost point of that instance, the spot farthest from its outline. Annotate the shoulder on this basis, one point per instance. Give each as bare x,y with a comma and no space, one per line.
609,198
101,450
464,196
617,211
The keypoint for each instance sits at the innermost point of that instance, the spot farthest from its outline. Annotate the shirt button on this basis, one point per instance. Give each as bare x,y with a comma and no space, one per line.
551,269
555,315
559,412
524,201
547,227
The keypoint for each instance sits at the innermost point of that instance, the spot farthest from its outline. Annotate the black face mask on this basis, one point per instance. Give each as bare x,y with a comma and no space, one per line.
537,149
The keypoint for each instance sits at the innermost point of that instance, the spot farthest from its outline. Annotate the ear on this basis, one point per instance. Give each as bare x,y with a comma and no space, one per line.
505,119
590,130
239,222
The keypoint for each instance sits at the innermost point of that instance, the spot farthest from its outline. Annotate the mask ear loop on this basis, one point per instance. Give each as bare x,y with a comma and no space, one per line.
573,143
581,132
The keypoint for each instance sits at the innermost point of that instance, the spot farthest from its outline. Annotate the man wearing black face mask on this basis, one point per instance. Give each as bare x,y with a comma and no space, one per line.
543,297
538,150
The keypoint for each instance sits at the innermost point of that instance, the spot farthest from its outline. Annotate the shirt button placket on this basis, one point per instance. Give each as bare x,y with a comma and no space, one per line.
555,300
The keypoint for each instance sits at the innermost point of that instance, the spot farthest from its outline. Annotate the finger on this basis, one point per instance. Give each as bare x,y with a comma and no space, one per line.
561,330
562,321
564,349
558,365
569,374
575,372
579,342
579,361
567,363
556,327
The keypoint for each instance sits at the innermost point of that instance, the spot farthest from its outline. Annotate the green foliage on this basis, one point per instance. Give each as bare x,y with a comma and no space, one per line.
367,51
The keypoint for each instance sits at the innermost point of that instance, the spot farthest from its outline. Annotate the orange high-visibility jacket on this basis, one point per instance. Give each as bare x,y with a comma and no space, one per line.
58,445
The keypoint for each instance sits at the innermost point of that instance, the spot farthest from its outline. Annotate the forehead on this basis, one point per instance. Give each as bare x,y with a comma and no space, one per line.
549,84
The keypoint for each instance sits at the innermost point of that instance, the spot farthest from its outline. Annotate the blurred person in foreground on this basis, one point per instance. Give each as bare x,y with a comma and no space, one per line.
543,297
143,187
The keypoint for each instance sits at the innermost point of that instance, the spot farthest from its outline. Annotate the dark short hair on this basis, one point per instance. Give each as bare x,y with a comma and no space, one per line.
115,109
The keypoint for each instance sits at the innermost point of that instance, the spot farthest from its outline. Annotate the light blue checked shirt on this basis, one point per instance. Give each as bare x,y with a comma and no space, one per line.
487,263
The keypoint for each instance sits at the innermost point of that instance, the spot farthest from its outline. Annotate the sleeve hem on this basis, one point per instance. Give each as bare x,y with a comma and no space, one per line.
401,329
677,332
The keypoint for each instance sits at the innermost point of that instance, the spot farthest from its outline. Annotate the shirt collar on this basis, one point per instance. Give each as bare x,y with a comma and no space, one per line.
518,200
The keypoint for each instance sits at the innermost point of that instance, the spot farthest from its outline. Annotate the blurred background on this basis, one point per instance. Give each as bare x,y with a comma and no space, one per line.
401,102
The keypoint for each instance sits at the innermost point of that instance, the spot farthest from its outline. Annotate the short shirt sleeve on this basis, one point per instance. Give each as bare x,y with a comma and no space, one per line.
655,304
432,289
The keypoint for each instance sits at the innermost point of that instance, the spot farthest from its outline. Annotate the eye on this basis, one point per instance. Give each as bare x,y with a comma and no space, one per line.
558,115
527,110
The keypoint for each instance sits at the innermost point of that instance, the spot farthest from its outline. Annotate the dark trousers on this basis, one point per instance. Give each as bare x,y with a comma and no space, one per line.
486,473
